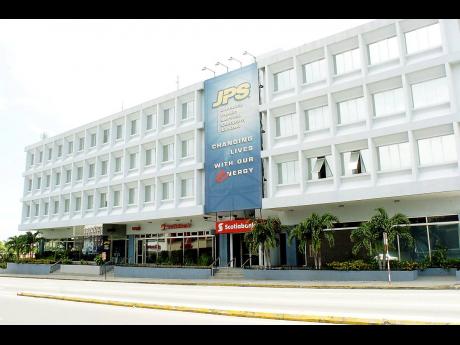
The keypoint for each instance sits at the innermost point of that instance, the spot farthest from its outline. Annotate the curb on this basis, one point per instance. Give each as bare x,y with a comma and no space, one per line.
238,313
259,285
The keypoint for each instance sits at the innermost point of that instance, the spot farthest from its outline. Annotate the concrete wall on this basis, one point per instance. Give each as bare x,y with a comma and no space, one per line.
437,272
312,275
162,272
82,269
28,268
458,275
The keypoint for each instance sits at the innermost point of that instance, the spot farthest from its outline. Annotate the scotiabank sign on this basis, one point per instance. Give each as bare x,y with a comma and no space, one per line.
234,226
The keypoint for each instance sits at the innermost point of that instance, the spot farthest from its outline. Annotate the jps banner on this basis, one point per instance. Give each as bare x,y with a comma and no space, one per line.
232,139
234,226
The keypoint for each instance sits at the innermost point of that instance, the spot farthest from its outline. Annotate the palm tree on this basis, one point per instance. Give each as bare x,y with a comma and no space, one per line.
30,240
16,244
264,234
315,225
369,235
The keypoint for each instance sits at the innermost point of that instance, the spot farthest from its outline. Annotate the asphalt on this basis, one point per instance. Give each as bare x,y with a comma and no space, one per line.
421,283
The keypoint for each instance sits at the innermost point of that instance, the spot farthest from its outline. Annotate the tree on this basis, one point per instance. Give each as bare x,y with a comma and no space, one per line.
264,234
30,239
2,248
16,244
369,235
314,225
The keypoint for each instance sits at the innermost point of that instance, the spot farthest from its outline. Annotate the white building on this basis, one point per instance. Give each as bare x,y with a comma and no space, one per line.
363,119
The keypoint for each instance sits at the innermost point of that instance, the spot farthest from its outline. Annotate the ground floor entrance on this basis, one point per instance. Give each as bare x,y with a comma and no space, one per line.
234,251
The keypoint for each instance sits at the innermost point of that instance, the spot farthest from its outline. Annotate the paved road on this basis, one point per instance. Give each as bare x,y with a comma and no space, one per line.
416,305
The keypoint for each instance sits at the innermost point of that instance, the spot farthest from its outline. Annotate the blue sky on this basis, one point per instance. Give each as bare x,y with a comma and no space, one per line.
59,74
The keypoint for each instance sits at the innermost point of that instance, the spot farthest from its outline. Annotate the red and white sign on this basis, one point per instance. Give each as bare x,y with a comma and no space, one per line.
234,226
175,226
135,227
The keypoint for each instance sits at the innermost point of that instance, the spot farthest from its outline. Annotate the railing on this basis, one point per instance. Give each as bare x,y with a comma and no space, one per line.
230,263
54,267
212,265
249,259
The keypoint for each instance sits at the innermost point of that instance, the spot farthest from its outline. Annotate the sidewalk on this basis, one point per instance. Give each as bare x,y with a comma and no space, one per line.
421,283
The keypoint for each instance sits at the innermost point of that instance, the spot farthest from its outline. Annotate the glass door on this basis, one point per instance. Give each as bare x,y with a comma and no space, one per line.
140,253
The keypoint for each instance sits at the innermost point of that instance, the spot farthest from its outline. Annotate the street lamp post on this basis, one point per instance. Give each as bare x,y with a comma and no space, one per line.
218,63
247,53
206,68
231,58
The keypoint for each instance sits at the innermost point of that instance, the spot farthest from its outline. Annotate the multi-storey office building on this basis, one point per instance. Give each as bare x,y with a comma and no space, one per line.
363,119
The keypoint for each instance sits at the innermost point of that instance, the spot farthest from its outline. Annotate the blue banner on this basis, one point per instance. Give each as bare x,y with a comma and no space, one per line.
233,173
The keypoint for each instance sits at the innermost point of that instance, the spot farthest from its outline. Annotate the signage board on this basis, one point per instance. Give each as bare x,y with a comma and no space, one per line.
93,230
234,226
232,166
165,226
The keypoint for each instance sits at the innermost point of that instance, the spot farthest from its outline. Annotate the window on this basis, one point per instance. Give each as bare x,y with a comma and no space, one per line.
40,157
56,206
50,153
132,160
79,173
68,176
383,50
39,182
186,187
117,164
89,202
37,210
131,195
430,92
317,118
423,38
283,80
116,198
147,193
319,167
70,147
27,211
105,136
119,131
58,178
314,71
133,127
287,172
394,157
149,122
78,203
66,205
45,211
437,150
168,152
59,150
81,144
168,191
187,148
93,139
351,111
285,125
48,181
31,159
148,157
354,162
188,110
30,185
103,200
91,170
347,61
168,116
389,102
103,168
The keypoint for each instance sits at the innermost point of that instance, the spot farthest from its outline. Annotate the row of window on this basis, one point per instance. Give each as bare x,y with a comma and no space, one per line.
432,151
385,103
149,159
168,119
167,194
418,40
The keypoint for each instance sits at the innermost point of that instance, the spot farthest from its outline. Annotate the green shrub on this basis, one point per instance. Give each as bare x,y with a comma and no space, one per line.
439,257
354,265
66,261
204,260
3,265
453,263
408,265
98,260
36,261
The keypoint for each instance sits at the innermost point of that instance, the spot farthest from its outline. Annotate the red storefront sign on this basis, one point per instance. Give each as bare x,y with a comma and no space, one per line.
135,228
234,226
175,226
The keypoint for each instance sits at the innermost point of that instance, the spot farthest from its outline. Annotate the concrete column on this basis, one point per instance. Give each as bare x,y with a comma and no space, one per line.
223,253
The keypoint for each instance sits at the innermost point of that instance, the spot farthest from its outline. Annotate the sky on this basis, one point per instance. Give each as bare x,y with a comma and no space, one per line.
56,75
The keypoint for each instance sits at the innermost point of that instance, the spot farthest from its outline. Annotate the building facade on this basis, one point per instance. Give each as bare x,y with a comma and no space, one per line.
363,119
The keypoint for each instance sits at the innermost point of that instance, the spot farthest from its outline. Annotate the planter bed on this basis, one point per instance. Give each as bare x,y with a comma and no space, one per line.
458,275
82,269
435,271
2,270
28,268
329,275
162,272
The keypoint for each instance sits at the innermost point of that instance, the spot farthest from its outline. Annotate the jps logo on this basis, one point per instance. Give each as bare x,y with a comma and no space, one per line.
239,92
